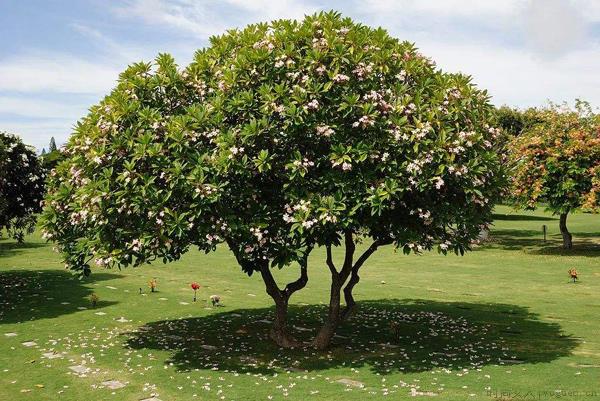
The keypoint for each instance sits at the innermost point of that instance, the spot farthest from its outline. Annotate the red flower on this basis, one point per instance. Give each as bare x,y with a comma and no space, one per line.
195,286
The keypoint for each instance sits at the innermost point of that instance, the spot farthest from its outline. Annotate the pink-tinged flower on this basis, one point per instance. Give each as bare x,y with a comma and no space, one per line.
362,70
320,69
340,78
312,105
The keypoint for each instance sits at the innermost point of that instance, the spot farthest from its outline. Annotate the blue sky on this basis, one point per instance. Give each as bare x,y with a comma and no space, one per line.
58,57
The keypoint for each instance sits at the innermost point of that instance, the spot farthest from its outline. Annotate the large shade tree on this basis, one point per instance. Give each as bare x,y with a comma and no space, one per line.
278,138
21,186
556,162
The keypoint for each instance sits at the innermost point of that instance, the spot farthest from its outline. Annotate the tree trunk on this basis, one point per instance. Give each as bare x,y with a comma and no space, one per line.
332,321
566,235
327,331
349,297
279,333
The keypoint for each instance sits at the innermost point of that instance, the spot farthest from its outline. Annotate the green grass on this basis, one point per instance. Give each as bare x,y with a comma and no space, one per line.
502,322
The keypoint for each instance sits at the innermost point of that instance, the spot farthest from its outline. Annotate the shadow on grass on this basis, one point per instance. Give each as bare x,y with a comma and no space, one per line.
431,335
532,242
9,247
520,217
30,295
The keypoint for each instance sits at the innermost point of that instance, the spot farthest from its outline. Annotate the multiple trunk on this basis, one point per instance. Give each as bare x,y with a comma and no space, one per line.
335,314
566,235
339,283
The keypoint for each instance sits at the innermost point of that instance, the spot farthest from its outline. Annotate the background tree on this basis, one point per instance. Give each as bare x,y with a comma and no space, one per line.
557,163
52,145
275,139
51,159
514,121
21,186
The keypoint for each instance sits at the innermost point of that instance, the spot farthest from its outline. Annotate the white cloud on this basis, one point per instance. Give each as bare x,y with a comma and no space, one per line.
519,78
32,107
205,19
38,133
56,73
445,8
553,27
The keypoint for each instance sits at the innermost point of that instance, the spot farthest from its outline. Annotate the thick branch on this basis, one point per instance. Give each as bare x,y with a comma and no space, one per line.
301,282
329,261
270,284
355,278
367,253
349,257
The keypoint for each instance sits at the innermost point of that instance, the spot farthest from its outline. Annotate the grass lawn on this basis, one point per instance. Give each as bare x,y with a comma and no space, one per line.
502,322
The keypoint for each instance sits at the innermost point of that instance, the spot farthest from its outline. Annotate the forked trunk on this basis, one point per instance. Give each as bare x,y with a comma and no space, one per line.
335,316
566,235
279,332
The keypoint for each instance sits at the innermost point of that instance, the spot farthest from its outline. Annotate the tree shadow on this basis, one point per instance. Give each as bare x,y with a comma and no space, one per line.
532,242
430,335
27,295
520,217
9,247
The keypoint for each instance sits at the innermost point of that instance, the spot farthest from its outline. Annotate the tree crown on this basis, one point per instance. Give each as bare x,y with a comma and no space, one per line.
21,186
275,138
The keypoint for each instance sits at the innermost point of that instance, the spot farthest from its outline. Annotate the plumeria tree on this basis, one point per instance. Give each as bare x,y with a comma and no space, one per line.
557,163
276,139
21,186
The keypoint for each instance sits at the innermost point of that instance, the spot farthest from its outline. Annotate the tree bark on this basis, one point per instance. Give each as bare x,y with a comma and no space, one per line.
323,338
566,235
332,321
279,332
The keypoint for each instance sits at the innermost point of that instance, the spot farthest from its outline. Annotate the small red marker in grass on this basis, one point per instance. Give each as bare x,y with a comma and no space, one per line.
195,287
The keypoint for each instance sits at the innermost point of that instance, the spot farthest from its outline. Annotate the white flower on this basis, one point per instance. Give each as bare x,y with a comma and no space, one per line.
401,76
325,130
364,122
